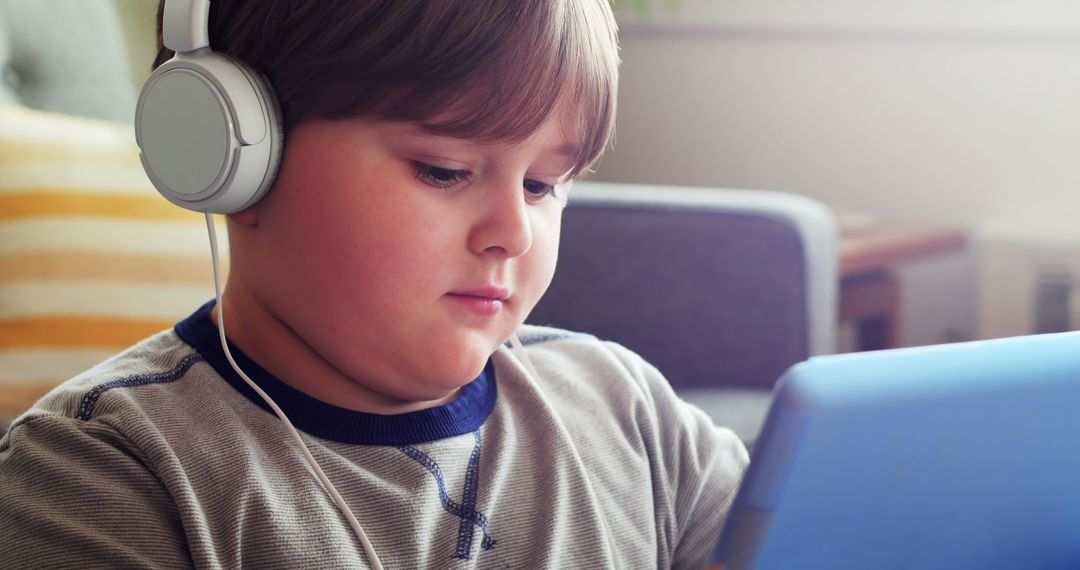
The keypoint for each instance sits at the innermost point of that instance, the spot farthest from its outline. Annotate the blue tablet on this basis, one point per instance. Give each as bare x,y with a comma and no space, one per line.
943,457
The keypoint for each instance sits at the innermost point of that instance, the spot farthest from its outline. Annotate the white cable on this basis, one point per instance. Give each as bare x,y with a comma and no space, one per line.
523,356
355,524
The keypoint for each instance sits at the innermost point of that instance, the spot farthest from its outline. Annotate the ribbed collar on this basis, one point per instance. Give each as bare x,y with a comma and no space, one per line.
467,412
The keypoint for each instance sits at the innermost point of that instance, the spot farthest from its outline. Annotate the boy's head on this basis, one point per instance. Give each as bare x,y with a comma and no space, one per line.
414,221
477,69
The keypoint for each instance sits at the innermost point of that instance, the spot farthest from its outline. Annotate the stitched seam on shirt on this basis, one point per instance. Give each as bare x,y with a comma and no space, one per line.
466,511
89,401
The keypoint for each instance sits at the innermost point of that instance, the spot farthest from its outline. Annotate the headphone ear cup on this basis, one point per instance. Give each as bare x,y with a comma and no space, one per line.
209,133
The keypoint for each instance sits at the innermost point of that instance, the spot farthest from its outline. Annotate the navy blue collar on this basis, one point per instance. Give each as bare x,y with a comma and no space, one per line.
465,414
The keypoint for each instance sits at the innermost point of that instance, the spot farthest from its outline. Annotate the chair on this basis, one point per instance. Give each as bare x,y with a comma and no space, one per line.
722,290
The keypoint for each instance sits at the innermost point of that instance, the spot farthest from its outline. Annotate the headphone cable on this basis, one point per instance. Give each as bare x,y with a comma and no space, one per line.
338,500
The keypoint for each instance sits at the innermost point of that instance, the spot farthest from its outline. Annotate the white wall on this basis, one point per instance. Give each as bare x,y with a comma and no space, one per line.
139,20
941,112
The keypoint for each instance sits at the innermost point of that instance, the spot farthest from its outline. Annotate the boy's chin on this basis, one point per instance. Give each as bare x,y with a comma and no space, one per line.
461,372
457,365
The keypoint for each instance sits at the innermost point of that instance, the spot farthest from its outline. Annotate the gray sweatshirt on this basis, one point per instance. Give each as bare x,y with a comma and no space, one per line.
162,457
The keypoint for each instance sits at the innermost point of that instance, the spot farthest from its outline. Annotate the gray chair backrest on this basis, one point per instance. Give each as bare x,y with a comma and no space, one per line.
716,288
65,56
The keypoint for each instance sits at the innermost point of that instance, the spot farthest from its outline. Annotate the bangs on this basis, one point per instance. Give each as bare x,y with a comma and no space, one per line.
489,70
547,53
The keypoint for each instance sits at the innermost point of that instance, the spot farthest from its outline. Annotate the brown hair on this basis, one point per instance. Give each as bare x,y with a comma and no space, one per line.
491,70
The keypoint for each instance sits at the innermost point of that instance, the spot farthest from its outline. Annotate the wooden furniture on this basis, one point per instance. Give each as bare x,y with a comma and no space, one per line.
869,291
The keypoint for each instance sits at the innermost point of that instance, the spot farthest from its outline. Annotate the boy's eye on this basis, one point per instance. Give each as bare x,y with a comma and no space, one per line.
538,190
437,176
440,177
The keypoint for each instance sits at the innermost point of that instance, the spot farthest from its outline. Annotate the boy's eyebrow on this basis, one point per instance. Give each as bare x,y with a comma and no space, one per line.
566,150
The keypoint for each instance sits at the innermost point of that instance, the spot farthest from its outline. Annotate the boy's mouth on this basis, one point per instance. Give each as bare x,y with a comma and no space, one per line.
487,292
483,300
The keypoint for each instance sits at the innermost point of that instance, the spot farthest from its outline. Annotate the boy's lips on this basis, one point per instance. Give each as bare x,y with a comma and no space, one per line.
482,300
487,292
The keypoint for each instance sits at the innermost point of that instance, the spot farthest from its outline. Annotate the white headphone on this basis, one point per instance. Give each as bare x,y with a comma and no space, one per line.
208,127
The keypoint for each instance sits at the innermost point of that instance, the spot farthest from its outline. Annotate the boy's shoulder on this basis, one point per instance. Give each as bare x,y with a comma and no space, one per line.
549,343
538,334
113,388
573,362
551,347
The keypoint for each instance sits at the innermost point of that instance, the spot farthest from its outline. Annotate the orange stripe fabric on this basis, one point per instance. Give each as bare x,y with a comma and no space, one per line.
134,268
13,151
39,203
78,332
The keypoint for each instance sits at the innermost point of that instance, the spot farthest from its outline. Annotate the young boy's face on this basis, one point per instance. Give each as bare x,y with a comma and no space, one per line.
390,263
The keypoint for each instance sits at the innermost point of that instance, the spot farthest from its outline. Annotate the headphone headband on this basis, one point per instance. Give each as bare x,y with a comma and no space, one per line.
186,25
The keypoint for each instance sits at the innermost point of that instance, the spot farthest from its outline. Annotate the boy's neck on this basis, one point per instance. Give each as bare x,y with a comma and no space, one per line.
280,351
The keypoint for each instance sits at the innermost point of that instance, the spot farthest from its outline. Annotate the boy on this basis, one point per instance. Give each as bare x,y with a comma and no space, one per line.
411,227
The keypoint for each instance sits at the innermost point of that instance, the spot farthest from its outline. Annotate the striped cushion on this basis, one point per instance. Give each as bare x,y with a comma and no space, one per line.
92,259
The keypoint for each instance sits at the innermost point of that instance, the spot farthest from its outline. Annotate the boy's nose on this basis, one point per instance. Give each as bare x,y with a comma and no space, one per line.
503,225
